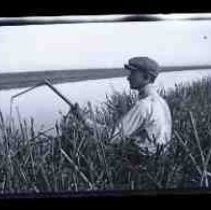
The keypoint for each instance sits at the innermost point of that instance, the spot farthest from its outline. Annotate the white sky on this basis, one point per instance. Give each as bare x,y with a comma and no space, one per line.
98,45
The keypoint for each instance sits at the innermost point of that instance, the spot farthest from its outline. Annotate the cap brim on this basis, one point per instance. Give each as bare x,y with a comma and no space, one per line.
129,67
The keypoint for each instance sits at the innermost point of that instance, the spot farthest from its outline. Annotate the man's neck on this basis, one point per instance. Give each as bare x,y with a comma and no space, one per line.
145,91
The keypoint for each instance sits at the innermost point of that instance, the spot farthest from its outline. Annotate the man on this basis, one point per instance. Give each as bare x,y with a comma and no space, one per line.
149,121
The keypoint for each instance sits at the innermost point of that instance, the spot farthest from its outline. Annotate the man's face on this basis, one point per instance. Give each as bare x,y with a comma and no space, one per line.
136,79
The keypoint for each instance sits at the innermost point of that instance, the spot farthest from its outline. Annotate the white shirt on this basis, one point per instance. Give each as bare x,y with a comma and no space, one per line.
150,113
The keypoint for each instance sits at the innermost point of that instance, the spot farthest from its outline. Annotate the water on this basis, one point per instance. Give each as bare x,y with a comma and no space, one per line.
46,107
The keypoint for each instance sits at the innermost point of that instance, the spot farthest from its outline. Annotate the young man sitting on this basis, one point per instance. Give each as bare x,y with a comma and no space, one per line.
149,121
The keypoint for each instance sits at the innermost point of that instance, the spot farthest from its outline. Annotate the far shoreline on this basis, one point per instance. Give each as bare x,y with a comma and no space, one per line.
26,79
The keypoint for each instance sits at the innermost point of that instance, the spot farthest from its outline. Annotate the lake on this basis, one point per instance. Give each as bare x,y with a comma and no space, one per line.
46,107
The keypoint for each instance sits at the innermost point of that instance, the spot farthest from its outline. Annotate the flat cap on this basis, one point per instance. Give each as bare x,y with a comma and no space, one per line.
145,64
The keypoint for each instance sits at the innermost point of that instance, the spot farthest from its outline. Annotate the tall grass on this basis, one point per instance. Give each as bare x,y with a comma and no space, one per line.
80,158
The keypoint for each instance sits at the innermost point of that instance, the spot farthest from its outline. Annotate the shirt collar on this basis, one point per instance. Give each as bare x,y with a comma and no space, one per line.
149,89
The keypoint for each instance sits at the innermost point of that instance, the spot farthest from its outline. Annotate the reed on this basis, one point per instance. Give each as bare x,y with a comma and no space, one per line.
78,158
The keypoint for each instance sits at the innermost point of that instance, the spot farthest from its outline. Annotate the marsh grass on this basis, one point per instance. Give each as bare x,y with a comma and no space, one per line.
79,158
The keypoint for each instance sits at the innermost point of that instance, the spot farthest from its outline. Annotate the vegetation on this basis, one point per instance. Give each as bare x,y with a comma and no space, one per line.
79,158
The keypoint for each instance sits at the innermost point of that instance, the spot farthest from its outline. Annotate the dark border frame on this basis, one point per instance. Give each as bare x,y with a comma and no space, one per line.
146,7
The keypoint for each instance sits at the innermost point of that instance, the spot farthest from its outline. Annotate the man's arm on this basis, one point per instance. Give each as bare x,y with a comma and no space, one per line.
90,121
130,122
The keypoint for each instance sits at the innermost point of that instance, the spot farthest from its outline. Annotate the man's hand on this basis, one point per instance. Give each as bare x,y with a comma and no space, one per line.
116,139
77,111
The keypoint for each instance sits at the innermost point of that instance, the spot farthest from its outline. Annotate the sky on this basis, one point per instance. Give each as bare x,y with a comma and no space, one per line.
103,45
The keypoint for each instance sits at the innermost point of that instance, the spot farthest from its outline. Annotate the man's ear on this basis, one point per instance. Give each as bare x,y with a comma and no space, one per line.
147,77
